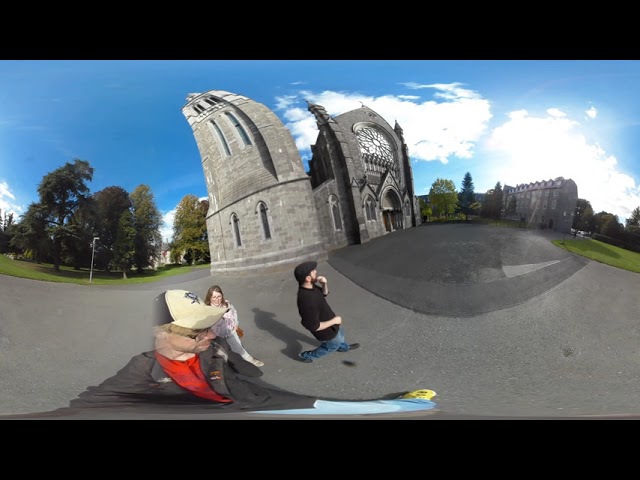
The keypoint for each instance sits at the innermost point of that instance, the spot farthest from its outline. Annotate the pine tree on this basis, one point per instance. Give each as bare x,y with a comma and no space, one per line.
467,196
633,222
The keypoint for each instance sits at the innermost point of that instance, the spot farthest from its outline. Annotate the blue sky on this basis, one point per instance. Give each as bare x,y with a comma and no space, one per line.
501,120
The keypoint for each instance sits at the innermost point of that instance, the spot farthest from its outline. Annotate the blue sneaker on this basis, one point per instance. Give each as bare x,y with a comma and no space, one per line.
352,346
304,359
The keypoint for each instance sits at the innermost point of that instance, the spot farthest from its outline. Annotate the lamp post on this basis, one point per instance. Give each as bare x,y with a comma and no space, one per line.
93,251
564,229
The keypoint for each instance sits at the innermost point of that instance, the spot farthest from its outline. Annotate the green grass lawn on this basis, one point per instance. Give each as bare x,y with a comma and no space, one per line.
593,249
603,252
44,272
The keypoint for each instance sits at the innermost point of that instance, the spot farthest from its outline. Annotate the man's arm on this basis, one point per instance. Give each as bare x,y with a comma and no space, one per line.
325,285
337,320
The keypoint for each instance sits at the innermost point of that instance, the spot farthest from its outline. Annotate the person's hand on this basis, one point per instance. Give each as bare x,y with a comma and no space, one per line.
322,280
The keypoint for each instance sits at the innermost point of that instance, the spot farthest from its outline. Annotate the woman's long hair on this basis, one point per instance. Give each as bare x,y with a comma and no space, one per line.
215,288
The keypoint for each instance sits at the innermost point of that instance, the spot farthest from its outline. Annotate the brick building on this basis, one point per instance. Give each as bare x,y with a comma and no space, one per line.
545,204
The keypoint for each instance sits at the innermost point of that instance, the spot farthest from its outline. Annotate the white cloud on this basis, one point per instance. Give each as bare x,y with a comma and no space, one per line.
528,149
555,112
7,202
455,124
5,192
448,91
285,101
303,127
432,130
167,228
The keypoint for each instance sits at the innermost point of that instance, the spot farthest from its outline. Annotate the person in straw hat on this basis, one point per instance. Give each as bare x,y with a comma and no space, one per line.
191,372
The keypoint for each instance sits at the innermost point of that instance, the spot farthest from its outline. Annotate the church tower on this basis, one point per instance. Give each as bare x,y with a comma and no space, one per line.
262,213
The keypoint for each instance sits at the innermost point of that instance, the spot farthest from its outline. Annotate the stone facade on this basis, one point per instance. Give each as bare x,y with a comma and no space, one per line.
266,212
546,204
361,173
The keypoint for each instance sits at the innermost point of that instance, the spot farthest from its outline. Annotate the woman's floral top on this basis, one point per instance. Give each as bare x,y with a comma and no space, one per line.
227,324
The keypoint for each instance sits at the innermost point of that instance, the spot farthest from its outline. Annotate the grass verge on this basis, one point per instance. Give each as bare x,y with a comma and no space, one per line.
44,272
603,253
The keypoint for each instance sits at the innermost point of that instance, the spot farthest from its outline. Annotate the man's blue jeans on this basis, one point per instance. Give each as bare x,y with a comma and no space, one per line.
336,344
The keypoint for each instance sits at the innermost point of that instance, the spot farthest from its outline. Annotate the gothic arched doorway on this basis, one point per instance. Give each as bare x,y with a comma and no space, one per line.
391,211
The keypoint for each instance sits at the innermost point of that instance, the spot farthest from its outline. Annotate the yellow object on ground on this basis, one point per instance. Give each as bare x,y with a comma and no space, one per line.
424,394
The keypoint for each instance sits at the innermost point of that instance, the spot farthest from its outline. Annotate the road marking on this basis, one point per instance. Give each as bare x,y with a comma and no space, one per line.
514,270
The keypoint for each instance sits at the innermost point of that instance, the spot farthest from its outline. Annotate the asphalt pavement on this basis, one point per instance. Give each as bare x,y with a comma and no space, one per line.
499,322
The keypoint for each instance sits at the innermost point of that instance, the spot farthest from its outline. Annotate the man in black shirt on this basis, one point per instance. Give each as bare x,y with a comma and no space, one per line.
316,314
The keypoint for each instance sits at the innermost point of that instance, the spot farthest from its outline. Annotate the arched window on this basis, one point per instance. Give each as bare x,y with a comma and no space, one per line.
235,221
223,140
241,131
211,101
334,208
370,208
264,220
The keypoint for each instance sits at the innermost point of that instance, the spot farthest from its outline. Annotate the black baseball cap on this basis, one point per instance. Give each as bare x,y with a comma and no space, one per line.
303,270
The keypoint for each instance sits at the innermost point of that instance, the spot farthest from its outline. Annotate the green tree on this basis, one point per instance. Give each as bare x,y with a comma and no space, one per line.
443,196
512,206
6,224
492,203
466,196
612,227
587,221
147,221
599,219
79,249
476,206
124,248
497,200
30,234
633,222
175,255
582,206
425,210
61,192
110,203
6,221
190,230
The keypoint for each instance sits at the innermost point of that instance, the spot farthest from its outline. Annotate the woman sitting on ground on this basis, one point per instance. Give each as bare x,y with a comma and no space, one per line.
228,327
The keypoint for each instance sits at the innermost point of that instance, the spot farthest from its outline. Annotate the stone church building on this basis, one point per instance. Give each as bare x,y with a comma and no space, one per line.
267,212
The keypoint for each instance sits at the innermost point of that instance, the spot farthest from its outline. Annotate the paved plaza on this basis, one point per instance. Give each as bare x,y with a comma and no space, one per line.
499,322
